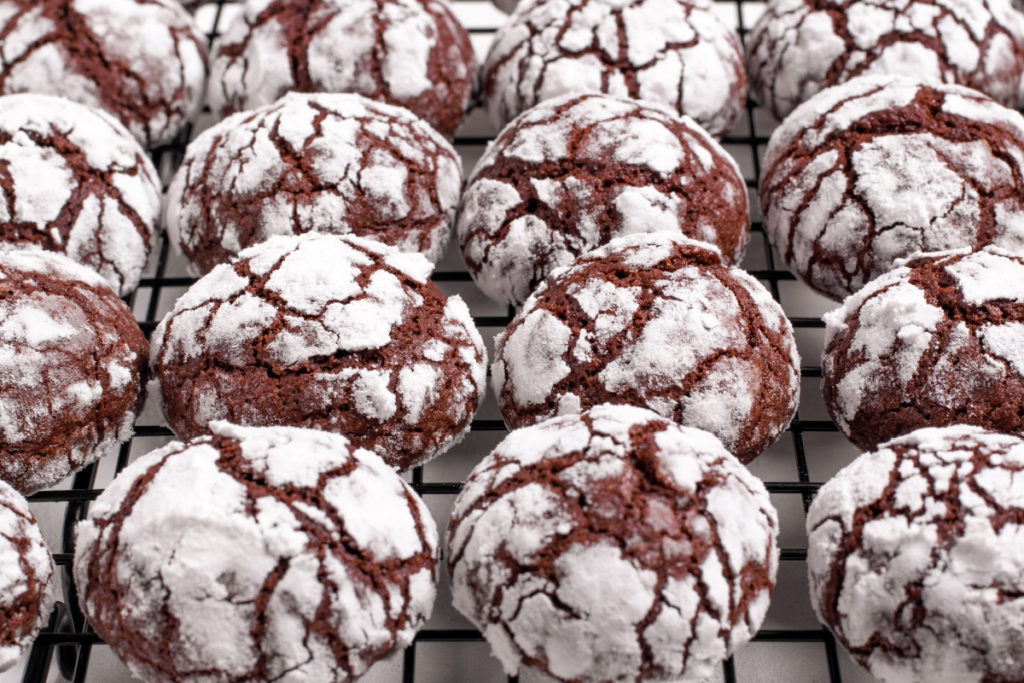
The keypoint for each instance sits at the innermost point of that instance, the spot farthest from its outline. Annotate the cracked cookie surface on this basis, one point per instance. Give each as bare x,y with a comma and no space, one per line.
73,180
880,168
143,61
578,170
72,367
297,557
934,342
914,556
333,332
799,47
321,163
411,53
613,545
673,52
653,320
26,577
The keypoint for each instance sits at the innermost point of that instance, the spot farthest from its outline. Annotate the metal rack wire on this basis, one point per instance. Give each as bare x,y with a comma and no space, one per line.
68,648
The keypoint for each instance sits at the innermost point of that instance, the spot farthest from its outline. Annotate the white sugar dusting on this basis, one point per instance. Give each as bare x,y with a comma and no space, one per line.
674,49
206,565
337,312
840,221
167,68
250,66
690,316
798,48
346,138
580,617
116,217
25,568
508,251
963,628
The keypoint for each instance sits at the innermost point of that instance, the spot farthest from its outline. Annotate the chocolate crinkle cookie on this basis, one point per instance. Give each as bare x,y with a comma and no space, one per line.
880,168
72,367
144,61
27,585
654,320
332,332
799,47
613,546
298,557
322,163
73,180
413,53
578,170
673,52
937,341
914,556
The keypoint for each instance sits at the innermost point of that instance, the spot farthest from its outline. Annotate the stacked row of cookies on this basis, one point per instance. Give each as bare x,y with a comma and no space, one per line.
901,191
346,335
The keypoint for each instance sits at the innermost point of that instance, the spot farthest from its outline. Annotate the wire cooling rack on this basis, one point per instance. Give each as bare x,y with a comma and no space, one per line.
790,647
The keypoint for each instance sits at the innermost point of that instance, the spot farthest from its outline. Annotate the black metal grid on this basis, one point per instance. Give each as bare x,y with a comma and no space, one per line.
64,648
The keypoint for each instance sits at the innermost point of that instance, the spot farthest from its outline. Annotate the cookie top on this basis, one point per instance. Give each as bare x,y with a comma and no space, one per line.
72,364
26,577
879,168
654,320
299,556
321,162
75,181
411,53
672,52
935,342
578,170
333,332
799,47
144,61
613,545
914,556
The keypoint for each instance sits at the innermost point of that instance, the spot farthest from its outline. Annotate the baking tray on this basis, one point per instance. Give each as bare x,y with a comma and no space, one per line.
790,647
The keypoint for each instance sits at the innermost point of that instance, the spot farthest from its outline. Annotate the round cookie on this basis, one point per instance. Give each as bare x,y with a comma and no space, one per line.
799,47
299,557
653,320
75,181
411,53
672,52
26,577
914,557
325,331
322,163
880,168
613,545
144,61
934,342
72,366
578,170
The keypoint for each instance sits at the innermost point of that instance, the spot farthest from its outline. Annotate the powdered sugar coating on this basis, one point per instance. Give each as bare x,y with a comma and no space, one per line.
799,47
333,332
613,545
322,163
406,52
298,557
144,61
653,320
578,170
75,181
880,168
914,556
72,365
934,342
673,52
27,587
